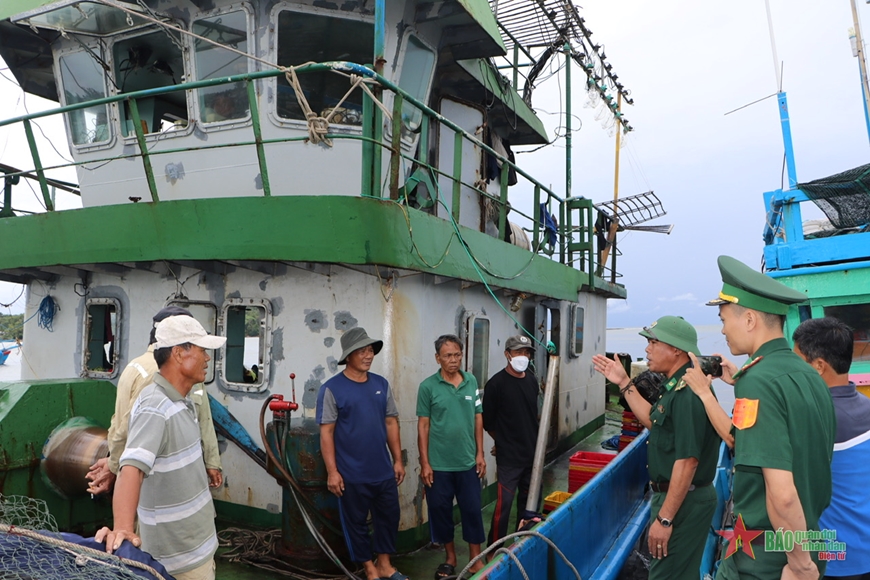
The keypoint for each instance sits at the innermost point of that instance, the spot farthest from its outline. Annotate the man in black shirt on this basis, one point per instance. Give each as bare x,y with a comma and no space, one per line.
510,416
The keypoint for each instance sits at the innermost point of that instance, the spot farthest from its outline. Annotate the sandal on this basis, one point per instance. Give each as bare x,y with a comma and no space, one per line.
445,570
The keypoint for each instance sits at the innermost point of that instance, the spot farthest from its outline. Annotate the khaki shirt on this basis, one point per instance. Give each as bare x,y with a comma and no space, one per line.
135,377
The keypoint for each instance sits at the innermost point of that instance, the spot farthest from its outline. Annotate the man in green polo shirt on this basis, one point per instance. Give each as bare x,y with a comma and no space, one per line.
450,440
682,452
782,428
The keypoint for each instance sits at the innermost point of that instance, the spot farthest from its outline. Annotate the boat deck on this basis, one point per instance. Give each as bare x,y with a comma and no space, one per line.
421,564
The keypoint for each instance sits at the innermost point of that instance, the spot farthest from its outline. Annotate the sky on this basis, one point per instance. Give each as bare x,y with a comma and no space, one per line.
687,63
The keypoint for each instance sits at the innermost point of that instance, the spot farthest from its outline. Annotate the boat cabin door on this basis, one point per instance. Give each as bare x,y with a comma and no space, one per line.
471,120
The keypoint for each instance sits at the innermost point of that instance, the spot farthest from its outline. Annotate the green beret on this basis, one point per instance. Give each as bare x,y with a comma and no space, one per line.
675,331
754,290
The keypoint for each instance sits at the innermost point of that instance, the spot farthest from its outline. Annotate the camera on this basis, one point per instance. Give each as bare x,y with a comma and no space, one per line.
711,365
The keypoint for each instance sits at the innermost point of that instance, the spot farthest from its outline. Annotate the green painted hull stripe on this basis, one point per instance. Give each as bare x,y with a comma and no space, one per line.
331,229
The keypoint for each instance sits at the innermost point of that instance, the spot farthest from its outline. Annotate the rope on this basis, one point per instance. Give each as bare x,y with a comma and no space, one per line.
318,126
47,309
99,557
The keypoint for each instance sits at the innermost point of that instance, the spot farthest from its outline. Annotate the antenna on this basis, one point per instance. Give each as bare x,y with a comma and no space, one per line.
776,68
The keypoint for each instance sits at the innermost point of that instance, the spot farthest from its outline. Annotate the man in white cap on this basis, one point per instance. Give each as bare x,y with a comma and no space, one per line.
137,375
173,504
358,422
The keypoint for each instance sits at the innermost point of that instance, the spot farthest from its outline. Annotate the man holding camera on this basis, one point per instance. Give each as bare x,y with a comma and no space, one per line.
682,454
782,428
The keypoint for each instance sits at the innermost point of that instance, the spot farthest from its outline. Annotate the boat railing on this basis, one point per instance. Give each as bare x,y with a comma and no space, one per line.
561,227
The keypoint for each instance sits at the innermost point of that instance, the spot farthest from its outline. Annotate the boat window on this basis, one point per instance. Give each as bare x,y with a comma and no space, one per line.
578,314
857,316
83,79
145,62
416,73
247,326
477,349
228,101
101,334
87,18
554,327
206,314
304,37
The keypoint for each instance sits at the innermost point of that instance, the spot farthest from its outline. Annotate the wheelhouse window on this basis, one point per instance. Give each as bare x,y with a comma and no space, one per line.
206,314
145,62
83,80
857,316
477,348
308,37
577,314
415,77
101,335
228,101
247,326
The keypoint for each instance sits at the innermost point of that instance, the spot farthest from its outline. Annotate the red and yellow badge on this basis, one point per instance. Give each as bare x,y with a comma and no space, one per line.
745,413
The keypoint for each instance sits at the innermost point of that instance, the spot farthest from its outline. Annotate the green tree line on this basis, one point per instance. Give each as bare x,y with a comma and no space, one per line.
11,326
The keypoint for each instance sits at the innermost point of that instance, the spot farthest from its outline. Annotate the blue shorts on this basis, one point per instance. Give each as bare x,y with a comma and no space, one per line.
465,487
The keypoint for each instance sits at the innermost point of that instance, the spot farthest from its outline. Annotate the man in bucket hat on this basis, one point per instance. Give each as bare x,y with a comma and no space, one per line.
173,504
358,421
782,428
682,453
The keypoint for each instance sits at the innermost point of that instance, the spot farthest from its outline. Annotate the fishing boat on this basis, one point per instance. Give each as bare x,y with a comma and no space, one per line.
288,171
5,351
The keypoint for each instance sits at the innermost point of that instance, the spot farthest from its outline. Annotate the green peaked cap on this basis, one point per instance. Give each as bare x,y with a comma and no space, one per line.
675,331
754,290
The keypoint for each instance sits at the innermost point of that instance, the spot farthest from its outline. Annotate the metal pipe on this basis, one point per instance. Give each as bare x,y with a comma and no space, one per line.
543,430
568,128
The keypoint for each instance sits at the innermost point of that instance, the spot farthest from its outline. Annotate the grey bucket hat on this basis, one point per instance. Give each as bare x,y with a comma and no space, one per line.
355,339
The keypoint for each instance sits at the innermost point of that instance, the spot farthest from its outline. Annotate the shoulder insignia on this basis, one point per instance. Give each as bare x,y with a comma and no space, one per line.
745,413
680,385
670,384
746,366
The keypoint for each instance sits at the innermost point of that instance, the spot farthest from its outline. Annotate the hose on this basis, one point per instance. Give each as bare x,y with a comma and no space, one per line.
296,489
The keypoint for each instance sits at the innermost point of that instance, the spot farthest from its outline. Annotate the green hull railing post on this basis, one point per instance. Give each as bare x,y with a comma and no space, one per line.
457,175
396,145
258,138
40,172
367,146
143,147
502,206
536,223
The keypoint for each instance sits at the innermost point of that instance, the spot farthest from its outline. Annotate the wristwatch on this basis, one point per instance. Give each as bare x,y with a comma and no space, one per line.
665,522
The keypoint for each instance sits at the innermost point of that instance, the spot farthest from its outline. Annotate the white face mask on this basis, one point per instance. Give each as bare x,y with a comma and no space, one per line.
520,363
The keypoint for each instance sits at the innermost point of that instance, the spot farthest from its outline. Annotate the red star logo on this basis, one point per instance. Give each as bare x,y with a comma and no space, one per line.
740,537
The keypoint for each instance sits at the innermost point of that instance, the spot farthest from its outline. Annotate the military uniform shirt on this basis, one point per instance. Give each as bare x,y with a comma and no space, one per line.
793,431
681,429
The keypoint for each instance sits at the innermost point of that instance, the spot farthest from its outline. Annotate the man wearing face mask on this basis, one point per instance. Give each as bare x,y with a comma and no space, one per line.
510,416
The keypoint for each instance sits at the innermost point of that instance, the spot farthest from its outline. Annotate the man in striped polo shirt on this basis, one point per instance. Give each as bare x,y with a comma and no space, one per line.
173,503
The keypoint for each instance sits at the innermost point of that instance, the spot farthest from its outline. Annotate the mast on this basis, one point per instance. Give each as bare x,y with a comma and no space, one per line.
862,63
783,107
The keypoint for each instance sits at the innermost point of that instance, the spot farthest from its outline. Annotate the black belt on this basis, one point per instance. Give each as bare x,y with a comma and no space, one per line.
663,486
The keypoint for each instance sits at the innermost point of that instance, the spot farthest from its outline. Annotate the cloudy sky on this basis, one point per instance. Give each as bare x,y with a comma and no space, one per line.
687,64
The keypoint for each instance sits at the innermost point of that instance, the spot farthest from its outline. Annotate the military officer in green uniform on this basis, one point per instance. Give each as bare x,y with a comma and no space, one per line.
782,428
682,452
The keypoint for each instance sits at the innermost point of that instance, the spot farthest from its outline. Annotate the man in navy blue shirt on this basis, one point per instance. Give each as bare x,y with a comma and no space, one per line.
358,421
827,345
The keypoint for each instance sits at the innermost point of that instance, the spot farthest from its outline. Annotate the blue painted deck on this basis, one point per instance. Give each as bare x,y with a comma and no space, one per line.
598,527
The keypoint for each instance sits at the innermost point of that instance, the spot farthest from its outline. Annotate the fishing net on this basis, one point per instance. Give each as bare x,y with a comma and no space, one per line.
844,198
32,548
